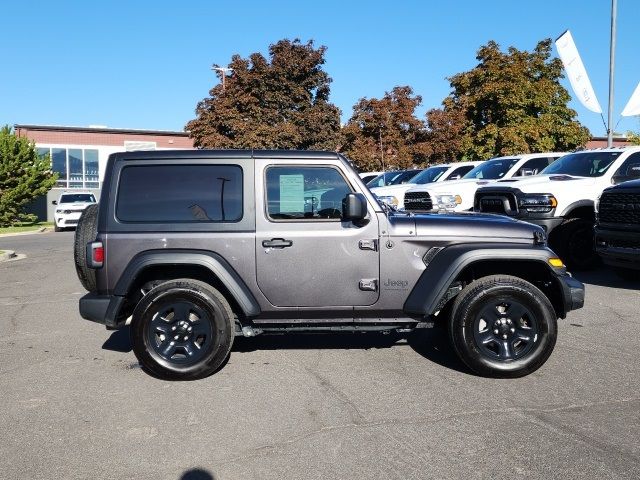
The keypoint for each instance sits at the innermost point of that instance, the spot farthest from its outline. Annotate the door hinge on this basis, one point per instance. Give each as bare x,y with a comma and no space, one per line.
368,245
369,284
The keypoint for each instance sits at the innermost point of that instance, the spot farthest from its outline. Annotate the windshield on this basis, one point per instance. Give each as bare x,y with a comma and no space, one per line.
429,175
582,164
392,178
78,198
492,169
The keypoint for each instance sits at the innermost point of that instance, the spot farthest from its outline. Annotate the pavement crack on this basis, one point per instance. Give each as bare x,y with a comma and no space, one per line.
527,413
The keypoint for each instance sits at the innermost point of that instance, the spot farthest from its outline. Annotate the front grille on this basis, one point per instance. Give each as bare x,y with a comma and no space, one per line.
624,243
618,207
417,201
502,203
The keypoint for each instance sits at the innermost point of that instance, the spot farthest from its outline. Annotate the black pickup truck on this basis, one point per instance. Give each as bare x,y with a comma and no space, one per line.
618,229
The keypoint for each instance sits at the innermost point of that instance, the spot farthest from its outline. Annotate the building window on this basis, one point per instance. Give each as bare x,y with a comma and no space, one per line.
59,165
76,167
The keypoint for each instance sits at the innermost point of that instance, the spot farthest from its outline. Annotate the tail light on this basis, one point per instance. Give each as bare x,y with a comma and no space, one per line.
95,254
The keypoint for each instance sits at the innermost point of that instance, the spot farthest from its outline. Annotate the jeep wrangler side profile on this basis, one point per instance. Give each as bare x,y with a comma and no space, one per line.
200,246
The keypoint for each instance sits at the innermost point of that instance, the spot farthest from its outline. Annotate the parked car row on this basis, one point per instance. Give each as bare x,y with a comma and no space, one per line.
563,200
557,191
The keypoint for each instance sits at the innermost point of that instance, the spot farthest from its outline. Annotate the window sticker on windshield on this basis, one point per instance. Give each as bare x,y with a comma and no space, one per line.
291,193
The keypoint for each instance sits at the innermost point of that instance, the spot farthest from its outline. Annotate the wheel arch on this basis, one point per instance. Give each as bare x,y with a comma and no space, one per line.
200,265
459,265
581,209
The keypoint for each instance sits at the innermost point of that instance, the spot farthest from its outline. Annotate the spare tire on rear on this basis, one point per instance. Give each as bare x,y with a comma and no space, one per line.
86,232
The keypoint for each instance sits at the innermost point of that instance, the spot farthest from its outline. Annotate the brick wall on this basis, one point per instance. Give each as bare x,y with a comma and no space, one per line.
103,137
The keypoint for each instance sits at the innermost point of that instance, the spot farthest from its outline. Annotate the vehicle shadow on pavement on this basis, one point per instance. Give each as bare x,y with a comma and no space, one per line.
606,277
432,344
197,474
119,341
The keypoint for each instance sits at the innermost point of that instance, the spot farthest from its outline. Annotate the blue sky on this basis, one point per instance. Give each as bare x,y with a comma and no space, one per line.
140,64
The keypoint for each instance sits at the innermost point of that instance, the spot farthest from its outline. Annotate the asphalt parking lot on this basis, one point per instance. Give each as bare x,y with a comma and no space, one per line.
75,404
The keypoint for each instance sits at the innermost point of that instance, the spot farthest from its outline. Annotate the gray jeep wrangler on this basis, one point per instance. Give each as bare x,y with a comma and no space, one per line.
198,247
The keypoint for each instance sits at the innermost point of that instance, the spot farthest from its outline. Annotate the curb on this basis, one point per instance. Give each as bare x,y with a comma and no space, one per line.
7,255
32,232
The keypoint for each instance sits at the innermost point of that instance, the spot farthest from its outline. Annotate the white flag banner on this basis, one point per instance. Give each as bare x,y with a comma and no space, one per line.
576,72
633,105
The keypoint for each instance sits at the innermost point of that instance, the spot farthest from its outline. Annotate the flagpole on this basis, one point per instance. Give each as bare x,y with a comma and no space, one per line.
612,59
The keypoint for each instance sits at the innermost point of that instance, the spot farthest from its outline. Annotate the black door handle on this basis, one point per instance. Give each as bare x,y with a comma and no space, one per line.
277,243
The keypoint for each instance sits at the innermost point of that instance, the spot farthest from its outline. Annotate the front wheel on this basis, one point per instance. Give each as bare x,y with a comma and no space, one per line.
503,326
182,330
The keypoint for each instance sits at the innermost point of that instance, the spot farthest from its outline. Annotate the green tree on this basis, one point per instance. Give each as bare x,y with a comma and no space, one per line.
513,103
385,131
282,102
23,176
634,137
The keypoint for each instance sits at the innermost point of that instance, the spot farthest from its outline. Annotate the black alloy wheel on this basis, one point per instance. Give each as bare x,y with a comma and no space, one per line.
503,326
505,329
182,330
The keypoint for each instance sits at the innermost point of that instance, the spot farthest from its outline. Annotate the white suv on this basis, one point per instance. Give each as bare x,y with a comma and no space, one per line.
69,207
563,199
457,196
394,194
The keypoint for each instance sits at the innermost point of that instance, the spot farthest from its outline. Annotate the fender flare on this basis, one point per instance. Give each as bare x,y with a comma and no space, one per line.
578,204
433,284
215,263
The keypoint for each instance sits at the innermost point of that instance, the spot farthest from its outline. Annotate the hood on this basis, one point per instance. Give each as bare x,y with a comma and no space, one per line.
450,186
538,183
475,227
392,189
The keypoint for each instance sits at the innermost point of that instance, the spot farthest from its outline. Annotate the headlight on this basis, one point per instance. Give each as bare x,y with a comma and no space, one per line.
596,205
58,211
389,200
447,201
539,203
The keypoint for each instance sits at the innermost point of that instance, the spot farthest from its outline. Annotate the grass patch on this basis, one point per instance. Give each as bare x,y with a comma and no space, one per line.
25,227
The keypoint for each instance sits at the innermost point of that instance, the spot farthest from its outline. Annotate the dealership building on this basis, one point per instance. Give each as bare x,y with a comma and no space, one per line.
79,154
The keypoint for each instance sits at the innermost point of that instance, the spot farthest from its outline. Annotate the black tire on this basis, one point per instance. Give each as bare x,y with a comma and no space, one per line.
182,330
574,242
628,274
521,314
56,228
86,232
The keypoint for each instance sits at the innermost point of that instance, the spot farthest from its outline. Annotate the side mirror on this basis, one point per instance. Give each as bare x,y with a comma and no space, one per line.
354,207
54,202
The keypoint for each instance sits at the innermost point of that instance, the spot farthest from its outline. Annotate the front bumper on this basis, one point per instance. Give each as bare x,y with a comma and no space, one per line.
68,220
572,292
618,248
104,309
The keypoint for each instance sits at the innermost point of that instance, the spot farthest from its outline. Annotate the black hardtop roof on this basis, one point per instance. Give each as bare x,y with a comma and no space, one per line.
226,154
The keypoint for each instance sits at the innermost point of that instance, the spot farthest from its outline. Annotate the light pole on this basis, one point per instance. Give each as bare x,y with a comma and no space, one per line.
223,71
612,59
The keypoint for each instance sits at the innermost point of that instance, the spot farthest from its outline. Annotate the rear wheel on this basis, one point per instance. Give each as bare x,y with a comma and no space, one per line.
503,326
182,330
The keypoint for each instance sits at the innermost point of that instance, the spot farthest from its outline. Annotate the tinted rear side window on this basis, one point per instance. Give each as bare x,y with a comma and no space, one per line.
180,193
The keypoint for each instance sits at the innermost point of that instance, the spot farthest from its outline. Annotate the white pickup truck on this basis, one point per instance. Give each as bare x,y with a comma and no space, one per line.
394,194
563,198
457,196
